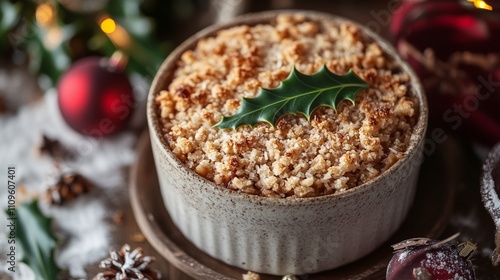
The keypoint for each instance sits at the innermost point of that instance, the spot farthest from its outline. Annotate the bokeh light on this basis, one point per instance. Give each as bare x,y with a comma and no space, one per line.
108,25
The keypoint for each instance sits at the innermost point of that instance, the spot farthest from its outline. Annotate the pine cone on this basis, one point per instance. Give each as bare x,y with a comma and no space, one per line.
126,265
69,187
54,149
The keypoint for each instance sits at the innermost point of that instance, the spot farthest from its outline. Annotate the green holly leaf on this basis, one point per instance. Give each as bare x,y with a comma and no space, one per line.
299,93
35,241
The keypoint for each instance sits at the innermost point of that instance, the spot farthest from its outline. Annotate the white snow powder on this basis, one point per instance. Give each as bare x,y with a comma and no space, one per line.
81,223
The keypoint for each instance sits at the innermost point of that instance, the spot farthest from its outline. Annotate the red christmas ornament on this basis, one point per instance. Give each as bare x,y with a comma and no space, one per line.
95,96
425,259
453,46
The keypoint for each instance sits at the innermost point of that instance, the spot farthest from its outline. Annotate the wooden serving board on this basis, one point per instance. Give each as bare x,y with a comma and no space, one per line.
427,218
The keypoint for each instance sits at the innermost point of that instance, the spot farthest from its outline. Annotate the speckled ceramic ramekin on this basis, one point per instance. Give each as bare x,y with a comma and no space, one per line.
280,236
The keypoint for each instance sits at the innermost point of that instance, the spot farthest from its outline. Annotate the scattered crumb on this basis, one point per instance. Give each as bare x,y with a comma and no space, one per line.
22,191
251,276
138,237
24,194
118,217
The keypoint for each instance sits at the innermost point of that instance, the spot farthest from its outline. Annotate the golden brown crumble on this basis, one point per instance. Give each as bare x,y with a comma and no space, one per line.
331,153
251,276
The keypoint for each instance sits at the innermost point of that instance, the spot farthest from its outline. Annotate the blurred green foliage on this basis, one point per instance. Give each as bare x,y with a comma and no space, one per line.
50,50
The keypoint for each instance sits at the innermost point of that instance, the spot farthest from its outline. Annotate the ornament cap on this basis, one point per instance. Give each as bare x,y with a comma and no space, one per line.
117,62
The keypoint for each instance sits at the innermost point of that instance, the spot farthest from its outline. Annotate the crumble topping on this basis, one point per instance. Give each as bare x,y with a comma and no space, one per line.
333,152
251,276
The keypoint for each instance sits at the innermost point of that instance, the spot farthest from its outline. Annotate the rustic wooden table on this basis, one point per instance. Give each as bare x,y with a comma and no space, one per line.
468,217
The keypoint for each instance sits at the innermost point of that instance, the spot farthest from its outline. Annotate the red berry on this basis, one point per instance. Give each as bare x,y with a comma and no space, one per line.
430,261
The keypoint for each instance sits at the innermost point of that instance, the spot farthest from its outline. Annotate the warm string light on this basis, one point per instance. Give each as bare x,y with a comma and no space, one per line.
108,25
117,34
122,39
45,14
481,4
53,38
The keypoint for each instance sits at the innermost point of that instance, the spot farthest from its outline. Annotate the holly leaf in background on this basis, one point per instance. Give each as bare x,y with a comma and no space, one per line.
35,240
124,8
299,93
48,54
145,54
